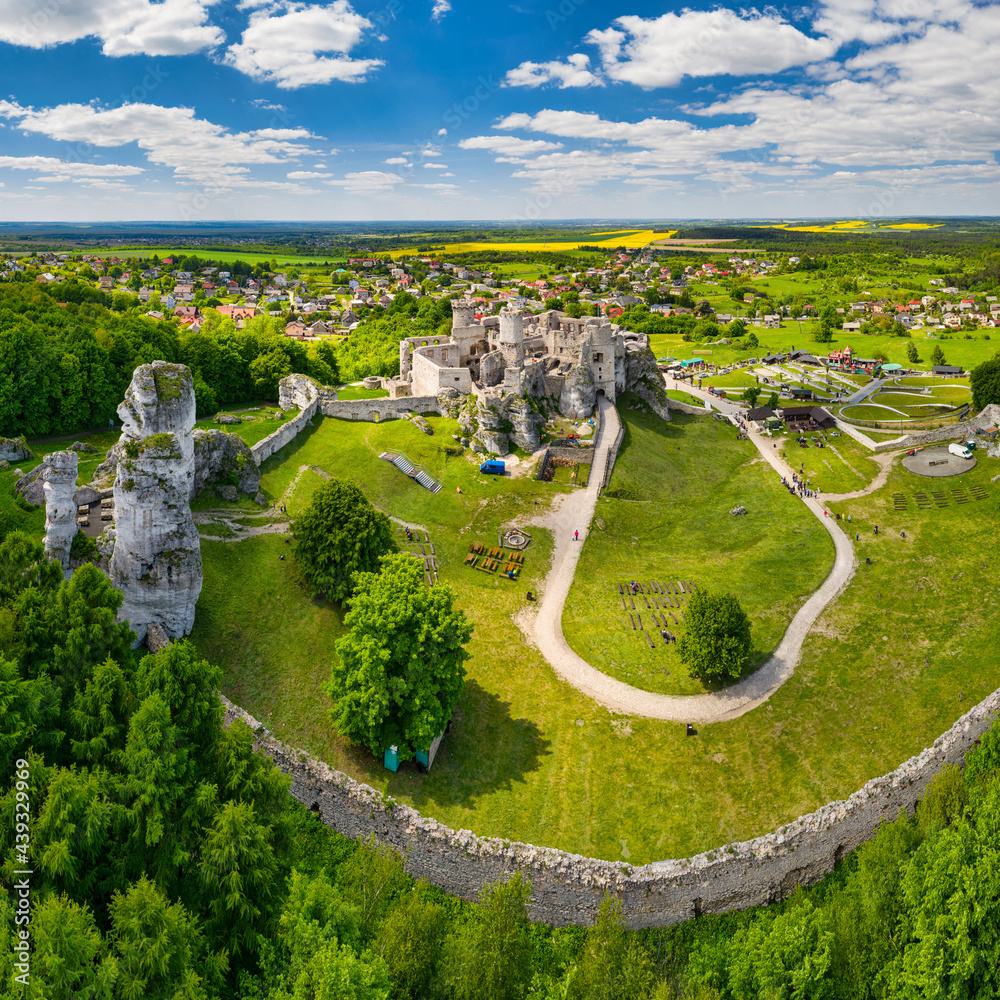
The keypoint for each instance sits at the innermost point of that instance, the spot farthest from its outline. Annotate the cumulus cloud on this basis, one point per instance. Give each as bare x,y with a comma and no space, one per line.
399,161
124,27
194,148
574,72
441,7
509,145
289,44
435,166
65,170
306,175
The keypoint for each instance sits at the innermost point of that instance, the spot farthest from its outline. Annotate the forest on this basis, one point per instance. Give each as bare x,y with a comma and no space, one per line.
169,861
65,367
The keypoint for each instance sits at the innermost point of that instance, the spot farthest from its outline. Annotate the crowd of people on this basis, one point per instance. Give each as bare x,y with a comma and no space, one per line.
799,486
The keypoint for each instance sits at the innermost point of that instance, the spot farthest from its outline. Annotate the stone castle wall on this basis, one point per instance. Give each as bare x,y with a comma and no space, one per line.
568,888
287,432
989,417
377,410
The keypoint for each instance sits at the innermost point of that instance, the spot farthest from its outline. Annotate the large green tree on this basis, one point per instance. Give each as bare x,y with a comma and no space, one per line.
400,667
985,381
716,639
339,535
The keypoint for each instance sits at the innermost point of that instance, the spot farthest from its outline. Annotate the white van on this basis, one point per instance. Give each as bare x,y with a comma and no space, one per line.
960,450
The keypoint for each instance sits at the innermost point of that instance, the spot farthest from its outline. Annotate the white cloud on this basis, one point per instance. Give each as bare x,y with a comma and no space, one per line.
195,149
660,52
441,7
442,131
306,175
575,72
124,27
285,44
509,145
368,182
399,160
430,151
67,170
435,166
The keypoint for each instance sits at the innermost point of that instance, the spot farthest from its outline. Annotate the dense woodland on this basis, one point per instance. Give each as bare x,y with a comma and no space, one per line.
170,862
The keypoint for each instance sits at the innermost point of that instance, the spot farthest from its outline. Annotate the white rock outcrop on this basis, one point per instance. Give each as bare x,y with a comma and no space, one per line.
157,555
59,486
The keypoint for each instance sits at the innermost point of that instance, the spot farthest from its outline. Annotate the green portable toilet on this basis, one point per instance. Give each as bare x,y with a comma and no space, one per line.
391,759
423,758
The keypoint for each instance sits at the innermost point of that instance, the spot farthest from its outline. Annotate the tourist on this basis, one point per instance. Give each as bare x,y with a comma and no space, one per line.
576,536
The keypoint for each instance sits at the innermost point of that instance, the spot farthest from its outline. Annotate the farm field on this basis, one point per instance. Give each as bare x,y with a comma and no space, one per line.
630,239
528,757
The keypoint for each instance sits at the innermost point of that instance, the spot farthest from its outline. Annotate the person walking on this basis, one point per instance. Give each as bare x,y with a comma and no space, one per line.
576,536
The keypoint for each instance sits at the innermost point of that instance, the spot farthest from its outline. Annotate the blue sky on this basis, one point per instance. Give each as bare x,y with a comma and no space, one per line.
192,110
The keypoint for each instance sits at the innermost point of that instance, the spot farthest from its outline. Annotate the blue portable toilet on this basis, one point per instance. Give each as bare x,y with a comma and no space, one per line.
391,759
493,468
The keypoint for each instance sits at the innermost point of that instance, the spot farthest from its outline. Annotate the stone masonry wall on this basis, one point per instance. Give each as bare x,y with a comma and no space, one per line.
287,432
989,417
378,409
568,888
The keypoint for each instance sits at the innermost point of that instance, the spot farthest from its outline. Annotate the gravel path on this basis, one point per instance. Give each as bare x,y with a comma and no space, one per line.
543,627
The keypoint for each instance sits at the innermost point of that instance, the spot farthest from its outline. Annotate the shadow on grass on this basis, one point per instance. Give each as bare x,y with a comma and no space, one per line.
486,751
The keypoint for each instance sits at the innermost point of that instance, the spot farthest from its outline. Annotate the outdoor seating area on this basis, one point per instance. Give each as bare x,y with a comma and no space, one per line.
494,560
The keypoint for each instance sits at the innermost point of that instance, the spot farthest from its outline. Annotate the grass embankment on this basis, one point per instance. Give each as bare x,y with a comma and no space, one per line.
256,424
529,758
666,517
842,465
350,392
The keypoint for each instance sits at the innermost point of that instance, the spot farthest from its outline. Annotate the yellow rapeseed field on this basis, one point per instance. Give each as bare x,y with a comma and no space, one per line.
632,239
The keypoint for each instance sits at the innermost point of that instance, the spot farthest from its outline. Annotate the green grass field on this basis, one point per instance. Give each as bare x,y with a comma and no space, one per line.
529,758
665,517
359,392
255,427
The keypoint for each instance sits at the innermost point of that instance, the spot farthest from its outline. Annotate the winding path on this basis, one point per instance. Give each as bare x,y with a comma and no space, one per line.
543,627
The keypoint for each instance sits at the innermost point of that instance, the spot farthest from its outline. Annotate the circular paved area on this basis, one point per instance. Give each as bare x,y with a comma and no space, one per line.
938,463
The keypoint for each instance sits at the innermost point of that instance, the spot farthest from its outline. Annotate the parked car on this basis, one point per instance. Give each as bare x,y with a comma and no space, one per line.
959,450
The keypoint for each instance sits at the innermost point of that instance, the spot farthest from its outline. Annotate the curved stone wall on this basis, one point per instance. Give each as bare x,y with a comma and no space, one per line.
568,888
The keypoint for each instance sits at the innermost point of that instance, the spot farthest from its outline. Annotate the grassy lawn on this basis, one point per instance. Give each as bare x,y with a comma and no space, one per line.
666,517
685,397
528,757
359,392
842,465
255,427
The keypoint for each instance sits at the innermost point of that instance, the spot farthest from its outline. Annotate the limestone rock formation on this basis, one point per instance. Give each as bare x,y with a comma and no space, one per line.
156,561
296,392
4,464
14,450
87,449
644,378
218,456
228,418
421,424
492,423
227,493
31,486
104,474
578,395
59,487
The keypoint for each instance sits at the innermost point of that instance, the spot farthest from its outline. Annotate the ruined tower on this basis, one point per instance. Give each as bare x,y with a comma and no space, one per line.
511,339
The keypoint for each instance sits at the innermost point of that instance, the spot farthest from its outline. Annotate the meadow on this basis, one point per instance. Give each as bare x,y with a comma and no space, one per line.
902,652
665,516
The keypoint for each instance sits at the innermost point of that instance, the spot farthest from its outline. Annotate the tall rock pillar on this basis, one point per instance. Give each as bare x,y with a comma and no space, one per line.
156,561
60,469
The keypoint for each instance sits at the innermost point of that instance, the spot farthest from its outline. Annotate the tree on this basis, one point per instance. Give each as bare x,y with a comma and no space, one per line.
491,959
613,965
340,534
751,342
937,356
985,381
772,401
268,370
911,353
716,641
400,669
751,395
160,950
